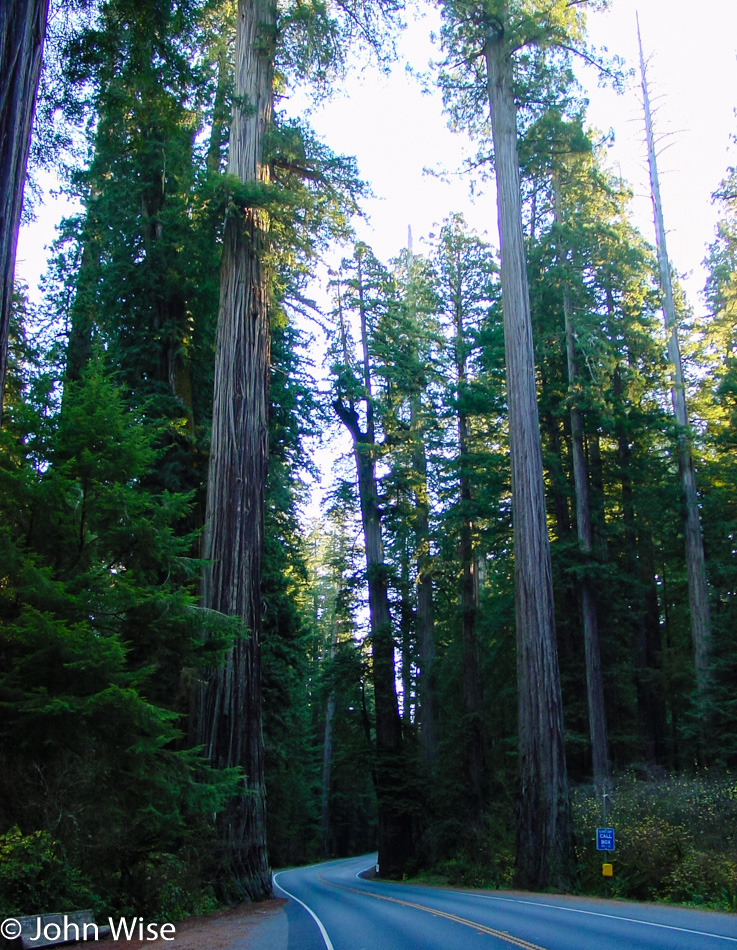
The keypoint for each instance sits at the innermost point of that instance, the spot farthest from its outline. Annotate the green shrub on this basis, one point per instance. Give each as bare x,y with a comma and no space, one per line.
166,888
649,850
37,878
676,839
704,879
471,855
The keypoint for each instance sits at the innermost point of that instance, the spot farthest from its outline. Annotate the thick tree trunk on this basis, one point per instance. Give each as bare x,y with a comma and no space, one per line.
698,587
227,708
22,33
545,853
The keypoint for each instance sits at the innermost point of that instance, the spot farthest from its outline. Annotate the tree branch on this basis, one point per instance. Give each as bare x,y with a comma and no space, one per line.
349,417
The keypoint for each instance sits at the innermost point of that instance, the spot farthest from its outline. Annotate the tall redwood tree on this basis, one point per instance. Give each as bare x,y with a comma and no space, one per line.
226,715
545,854
22,33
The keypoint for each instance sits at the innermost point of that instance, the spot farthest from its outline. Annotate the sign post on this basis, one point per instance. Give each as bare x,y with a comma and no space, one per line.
605,842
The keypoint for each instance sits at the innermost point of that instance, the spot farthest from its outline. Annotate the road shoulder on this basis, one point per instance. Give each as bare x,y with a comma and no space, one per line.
261,926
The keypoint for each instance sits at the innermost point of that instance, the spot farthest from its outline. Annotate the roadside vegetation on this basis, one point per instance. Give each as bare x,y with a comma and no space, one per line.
676,842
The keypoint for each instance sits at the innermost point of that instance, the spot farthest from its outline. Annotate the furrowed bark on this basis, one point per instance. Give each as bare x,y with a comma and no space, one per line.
22,34
545,855
227,707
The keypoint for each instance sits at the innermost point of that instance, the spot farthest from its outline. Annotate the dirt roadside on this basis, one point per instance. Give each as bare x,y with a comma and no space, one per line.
238,927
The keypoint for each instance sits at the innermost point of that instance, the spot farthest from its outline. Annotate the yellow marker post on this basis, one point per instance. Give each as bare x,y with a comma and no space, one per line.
607,870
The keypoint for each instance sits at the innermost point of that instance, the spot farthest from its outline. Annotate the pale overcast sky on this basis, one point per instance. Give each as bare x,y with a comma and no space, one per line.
395,132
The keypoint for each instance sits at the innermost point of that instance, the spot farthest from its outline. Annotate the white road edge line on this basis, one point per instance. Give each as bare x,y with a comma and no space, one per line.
363,871
592,913
323,931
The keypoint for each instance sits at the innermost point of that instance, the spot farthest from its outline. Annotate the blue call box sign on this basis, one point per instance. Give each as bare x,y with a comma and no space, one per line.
605,839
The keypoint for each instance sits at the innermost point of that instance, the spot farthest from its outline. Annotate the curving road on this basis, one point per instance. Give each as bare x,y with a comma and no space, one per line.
333,908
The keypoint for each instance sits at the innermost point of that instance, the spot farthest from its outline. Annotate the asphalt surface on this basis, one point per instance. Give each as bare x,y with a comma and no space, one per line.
333,908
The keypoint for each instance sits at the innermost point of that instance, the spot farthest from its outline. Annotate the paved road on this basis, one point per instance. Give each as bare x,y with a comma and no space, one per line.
333,908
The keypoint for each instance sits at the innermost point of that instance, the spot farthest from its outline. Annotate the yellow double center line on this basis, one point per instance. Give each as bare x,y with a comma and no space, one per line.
480,928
